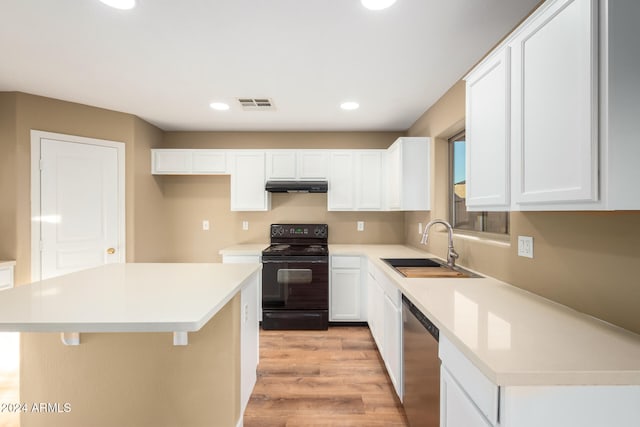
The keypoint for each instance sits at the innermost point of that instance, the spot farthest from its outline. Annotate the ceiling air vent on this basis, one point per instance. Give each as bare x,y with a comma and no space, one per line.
257,104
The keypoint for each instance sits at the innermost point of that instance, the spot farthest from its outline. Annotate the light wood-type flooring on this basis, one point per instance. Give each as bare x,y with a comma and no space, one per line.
322,378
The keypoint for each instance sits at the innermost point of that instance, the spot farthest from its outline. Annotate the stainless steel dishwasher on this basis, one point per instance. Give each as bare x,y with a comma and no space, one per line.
421,367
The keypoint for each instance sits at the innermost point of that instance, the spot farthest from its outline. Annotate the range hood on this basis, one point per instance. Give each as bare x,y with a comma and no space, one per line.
296,186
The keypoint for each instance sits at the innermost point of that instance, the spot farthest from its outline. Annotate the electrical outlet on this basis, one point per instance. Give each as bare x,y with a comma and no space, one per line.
245,225
525,246
205,225
360,225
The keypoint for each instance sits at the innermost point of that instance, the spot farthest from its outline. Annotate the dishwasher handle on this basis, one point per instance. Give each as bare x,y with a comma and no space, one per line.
428,324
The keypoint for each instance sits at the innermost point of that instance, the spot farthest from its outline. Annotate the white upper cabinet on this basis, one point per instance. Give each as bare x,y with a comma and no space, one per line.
356,180
188,162
281,164
248,181
555,105
312,164
488,134
408,174
297,164
572,113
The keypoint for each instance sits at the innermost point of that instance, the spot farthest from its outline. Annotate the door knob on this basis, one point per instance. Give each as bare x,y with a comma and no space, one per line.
111,251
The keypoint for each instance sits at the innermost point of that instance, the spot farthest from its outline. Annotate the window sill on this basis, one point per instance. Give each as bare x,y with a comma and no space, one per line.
502,240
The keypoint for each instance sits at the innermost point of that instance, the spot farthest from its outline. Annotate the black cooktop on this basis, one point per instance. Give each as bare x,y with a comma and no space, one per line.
284,249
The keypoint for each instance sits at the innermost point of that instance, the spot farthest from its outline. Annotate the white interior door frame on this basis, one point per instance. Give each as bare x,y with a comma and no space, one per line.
36,137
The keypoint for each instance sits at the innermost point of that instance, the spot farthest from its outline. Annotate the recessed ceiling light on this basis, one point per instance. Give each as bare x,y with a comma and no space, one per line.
120,4
220,106
349,105
377,4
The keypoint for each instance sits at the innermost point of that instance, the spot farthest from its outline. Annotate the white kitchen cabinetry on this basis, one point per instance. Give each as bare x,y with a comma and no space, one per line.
188,162
248,259
6,275
385,323
248,182
456,408
555,104
408,174
356,180
250,344
574,107
297,164
488,158
347,290
469,399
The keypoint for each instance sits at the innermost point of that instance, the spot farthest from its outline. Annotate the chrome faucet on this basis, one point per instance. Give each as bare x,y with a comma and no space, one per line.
452,255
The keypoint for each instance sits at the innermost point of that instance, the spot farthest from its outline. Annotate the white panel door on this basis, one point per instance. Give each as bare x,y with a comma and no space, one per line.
312,164
488,134
456,409
341,181
80,224
555,93
369,189
247,182
345,294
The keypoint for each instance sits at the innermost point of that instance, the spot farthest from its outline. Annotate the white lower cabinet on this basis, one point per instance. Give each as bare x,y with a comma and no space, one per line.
385,323
6,276
469,399
456,408
347,291
248,259
250,344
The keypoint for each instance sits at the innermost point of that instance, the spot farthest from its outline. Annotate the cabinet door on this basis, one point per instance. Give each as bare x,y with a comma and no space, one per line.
456,409
209,162
392,354
341,181
554,120
312,164
394,176
6,277
171,162
369,189
281,164
488,134
247,182
375,315
249,328
345,294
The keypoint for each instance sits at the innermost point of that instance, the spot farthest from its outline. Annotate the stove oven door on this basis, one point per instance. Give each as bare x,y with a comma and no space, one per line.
301,284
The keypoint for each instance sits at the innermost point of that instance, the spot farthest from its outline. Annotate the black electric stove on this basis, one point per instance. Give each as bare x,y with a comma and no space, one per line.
295,277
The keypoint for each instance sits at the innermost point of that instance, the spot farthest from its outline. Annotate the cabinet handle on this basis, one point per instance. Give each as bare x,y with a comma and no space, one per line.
111,251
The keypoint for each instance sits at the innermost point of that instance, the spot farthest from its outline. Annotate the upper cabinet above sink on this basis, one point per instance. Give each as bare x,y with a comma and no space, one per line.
552,112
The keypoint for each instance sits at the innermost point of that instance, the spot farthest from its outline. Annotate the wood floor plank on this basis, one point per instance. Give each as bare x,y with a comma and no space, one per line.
322,378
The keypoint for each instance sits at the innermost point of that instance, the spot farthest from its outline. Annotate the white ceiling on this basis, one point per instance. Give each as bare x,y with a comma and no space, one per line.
166,60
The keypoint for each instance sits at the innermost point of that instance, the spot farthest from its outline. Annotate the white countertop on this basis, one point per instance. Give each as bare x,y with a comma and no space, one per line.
514,337
124,298
7,263
245,249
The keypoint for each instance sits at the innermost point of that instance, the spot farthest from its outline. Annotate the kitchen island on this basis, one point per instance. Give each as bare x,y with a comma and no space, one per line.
157,345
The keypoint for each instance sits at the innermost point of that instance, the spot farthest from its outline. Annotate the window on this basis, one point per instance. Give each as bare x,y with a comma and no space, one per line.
460,218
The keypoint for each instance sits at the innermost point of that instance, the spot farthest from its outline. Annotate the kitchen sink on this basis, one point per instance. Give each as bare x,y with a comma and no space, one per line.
427,267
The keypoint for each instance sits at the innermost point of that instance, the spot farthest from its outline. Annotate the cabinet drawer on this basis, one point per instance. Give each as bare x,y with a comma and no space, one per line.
345,262
478,387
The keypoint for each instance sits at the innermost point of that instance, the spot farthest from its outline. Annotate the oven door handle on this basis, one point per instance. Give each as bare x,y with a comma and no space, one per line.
281,261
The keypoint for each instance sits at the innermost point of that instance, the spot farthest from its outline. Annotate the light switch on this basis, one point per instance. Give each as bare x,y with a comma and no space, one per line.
360,225
419,228
205,225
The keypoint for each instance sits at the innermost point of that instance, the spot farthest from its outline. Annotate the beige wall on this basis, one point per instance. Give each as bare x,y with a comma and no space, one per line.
582,259
187,200
39,113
